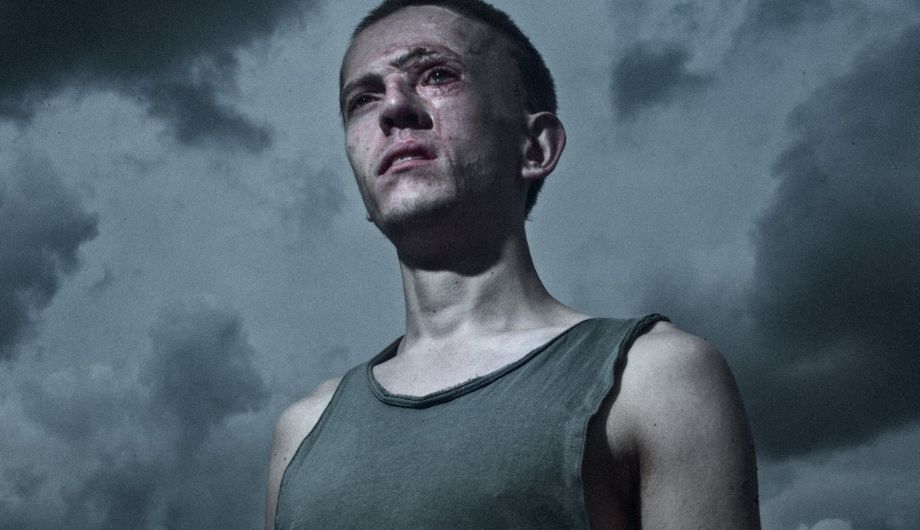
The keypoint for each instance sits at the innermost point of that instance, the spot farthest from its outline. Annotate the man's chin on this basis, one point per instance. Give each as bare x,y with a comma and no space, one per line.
417,215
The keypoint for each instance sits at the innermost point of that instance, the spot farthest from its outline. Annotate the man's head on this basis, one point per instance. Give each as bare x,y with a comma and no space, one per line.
536,79
528,84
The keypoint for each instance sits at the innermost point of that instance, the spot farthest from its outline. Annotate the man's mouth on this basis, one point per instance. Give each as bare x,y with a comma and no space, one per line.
404,156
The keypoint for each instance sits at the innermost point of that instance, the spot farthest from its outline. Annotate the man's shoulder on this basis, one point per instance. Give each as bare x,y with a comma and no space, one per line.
299,418
293,425
666,351
679,411
676,378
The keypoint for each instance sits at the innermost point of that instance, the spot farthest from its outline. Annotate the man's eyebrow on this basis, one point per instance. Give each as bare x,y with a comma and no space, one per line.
411,56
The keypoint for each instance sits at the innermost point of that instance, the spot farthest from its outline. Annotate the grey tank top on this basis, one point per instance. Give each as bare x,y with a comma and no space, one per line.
503,450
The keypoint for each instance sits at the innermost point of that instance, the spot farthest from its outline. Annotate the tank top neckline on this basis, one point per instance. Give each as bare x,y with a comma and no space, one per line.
454,391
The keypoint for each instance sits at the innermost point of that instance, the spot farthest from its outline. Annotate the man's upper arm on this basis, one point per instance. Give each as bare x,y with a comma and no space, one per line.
679,406
293,425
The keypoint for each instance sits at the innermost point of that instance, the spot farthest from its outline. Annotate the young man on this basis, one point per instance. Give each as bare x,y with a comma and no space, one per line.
500,406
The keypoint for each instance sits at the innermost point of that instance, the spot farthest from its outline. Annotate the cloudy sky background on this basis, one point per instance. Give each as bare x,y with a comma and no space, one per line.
182,252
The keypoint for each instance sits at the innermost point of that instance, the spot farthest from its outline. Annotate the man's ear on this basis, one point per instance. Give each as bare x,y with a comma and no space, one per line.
543,145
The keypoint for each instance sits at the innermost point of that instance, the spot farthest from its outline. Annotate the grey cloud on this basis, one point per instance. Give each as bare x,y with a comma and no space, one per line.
102,419
42,226
201,369
687,13
25,480
101,285
75,404
872,486
825,334
650,75
154,449
117,495
314,197
838,265
178,58
781,15
197,117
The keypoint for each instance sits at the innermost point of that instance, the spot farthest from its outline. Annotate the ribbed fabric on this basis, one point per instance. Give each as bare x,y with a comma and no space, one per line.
500,451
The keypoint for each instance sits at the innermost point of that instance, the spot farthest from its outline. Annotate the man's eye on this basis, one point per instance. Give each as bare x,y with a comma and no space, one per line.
438,76
359,101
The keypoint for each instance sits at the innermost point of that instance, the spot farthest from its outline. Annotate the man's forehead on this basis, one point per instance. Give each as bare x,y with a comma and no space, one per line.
417,28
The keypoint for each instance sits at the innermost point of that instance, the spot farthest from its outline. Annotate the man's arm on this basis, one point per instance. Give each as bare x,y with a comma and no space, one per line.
680,410
294,424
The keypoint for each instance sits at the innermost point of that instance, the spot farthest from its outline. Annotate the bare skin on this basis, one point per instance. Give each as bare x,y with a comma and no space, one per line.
670,447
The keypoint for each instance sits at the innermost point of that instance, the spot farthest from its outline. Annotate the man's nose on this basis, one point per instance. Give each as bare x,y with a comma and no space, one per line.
402,109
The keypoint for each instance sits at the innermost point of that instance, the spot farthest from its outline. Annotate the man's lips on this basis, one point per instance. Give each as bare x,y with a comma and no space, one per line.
404,155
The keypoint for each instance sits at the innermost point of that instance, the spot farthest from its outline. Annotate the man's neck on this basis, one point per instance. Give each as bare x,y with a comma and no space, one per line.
504,295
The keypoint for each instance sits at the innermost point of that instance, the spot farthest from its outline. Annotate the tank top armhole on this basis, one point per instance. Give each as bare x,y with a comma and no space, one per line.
311,436
605,385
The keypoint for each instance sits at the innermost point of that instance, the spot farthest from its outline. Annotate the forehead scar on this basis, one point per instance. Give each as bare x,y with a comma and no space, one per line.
411,56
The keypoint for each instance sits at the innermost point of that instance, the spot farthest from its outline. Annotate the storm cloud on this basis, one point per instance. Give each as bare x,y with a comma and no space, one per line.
826,330
157,446
42,226
837,279
650,75
314,196
201,370
782,15
177,58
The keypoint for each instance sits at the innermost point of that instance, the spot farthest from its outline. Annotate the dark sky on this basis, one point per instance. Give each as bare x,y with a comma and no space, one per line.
183,253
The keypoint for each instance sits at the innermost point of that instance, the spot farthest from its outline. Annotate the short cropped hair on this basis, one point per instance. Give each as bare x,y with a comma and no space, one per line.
538,86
